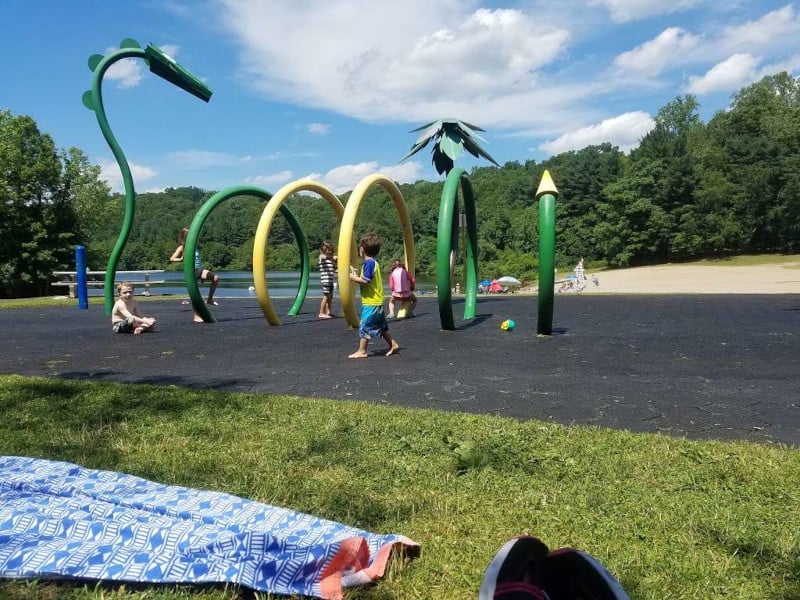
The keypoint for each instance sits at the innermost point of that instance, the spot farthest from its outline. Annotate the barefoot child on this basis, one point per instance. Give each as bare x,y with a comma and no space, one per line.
373,319
126,316
327,275
199,272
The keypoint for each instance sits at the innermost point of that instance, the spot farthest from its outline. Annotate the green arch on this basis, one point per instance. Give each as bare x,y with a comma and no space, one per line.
444,244
194,233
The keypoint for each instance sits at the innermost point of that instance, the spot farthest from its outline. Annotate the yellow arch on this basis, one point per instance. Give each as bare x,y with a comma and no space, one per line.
262,235
347,244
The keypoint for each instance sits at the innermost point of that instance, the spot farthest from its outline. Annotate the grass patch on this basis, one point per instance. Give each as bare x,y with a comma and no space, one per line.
64,301
671,518
750,260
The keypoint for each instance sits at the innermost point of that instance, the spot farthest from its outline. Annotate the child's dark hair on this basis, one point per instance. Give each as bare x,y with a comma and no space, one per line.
371,243
396,263
326,245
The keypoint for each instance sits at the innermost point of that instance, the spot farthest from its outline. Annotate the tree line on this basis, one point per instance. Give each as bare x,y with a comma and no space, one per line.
689,190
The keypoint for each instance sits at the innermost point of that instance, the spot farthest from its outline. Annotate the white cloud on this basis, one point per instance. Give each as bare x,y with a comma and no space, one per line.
632,10
318,128
126,72
771,31
170,50
437,58
672,45
109,171
272,179
625,131
735,72
773,34
344,178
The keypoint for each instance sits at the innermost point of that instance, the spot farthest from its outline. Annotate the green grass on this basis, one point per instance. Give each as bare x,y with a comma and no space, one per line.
64,301
751,260
671,518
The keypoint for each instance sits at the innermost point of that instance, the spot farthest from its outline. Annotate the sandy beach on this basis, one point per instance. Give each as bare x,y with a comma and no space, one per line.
781,278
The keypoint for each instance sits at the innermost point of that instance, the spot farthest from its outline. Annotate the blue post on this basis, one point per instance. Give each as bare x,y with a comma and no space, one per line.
80,276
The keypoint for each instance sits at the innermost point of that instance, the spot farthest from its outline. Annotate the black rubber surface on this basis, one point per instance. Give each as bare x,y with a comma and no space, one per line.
723,367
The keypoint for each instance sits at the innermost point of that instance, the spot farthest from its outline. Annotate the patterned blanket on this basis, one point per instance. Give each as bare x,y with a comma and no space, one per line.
60,520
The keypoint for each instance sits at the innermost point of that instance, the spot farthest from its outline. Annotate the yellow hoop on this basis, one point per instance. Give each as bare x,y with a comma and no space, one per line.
347,245
262,235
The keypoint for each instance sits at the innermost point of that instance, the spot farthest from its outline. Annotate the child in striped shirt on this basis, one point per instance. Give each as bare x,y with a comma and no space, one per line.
327,275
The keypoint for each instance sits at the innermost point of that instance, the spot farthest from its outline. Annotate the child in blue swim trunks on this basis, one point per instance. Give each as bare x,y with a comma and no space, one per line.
373,319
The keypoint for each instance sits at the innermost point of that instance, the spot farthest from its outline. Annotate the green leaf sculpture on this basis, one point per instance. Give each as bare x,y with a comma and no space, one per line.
452,137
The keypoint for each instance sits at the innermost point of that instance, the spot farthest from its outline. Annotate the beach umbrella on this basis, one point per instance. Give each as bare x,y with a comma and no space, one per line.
509,280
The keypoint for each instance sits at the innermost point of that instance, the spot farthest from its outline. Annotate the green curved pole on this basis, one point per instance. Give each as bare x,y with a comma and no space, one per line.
444,237
200,307
471,293
546,195
127,179
165,67
305,266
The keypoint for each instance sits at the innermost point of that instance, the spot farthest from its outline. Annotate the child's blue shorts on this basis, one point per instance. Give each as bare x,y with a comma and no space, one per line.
373,322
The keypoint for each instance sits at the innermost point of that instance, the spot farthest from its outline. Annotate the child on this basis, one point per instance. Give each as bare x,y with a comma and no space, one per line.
401,284
373,320
199,272
126,316
327,275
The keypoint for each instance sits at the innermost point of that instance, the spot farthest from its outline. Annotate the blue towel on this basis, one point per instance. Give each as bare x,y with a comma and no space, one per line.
60,520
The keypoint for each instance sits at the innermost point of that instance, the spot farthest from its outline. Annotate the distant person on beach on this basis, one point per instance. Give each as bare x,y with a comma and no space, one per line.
373,319
199,272
580,272
401,285
580,275
126,316
327,275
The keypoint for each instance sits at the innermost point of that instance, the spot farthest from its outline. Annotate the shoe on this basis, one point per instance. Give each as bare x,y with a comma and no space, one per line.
575,574
524,569
390,316
516,571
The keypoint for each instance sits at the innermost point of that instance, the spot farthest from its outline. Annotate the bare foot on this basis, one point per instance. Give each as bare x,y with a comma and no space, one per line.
324,316
358,354
138,331
393,350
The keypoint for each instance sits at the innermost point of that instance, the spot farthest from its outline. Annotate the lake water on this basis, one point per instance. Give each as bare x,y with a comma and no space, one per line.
236,284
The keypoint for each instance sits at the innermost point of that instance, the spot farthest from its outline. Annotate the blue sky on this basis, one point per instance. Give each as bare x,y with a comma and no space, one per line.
330,90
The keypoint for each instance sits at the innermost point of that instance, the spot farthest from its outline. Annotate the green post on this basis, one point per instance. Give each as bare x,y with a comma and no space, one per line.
546,195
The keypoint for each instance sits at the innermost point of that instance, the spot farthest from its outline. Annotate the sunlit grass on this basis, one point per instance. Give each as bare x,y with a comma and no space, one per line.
752,260
671,518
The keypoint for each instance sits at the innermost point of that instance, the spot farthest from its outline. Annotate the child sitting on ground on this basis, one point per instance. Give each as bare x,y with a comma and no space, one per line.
126,317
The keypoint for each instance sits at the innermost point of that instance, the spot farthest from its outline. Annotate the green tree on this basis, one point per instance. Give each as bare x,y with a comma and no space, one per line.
754,147
37,221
